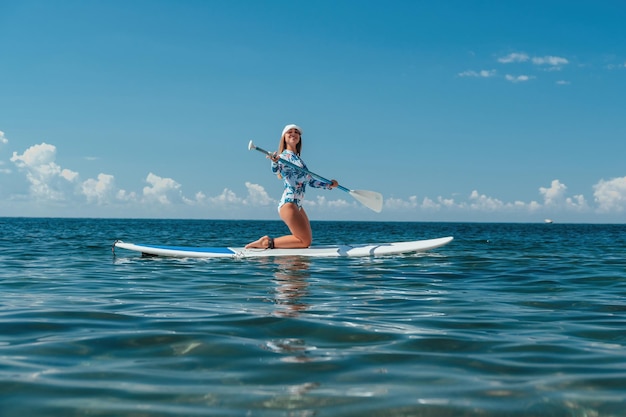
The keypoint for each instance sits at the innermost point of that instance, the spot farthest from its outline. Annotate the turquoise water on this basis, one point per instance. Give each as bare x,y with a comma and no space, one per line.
507,320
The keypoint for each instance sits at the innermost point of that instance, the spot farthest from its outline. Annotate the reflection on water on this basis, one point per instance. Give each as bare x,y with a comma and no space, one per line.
296,350
291,278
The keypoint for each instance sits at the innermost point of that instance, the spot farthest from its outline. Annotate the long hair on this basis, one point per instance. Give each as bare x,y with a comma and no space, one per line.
282,146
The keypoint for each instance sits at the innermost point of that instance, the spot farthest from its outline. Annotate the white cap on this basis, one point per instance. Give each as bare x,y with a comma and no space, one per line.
289,127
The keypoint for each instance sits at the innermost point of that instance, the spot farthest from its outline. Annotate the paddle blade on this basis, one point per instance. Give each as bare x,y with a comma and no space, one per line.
369,199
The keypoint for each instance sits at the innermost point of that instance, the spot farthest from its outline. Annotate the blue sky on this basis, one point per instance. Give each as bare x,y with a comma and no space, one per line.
453,110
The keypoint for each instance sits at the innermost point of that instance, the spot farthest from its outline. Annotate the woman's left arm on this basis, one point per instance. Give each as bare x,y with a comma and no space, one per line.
313,182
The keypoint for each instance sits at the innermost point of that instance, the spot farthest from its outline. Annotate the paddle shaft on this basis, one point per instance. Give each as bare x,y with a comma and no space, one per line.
370,199
292,165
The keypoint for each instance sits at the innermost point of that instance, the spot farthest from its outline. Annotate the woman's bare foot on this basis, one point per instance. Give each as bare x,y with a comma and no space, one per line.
264,242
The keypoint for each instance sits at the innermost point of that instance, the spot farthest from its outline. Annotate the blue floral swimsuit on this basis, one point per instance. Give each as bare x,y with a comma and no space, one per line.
295,180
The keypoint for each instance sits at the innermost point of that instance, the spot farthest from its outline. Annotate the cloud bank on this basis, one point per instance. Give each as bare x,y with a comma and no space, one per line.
544,63
50,185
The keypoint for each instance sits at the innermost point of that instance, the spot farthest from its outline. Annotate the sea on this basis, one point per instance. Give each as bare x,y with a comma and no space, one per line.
506,320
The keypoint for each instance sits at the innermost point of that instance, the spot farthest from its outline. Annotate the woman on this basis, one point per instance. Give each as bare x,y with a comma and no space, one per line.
290,206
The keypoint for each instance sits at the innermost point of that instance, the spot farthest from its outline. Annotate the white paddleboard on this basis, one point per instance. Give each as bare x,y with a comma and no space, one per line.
330,251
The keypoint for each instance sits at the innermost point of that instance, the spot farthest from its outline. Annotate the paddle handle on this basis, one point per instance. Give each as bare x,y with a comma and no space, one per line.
251,146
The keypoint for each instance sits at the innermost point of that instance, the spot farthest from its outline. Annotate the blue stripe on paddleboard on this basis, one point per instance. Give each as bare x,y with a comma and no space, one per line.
189,249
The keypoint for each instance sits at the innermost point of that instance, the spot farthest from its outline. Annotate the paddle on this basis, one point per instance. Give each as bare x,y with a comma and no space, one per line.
369,199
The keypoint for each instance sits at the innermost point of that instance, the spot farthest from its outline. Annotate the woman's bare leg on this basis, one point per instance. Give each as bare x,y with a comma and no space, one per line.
298,223
260,243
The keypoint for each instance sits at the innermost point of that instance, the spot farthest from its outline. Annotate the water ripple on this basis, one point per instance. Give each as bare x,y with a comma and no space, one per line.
511,320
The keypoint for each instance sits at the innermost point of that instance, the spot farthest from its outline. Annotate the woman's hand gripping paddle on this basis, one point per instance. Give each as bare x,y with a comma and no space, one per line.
369,199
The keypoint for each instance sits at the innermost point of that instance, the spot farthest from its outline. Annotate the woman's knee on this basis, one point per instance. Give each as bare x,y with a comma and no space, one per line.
304,233
306,240
298,223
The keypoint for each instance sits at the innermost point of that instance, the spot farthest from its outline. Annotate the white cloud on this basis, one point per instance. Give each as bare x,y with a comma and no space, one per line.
446,202
479,74
532,206
227,197
429,204
162,190
3,141
555,197
101,191
257,196
578,202
323,202
48,181
483,202
438,203
124,195
548,62
553,194
398,203
201,197
340,203
518,78
554,61
610,195
514,57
